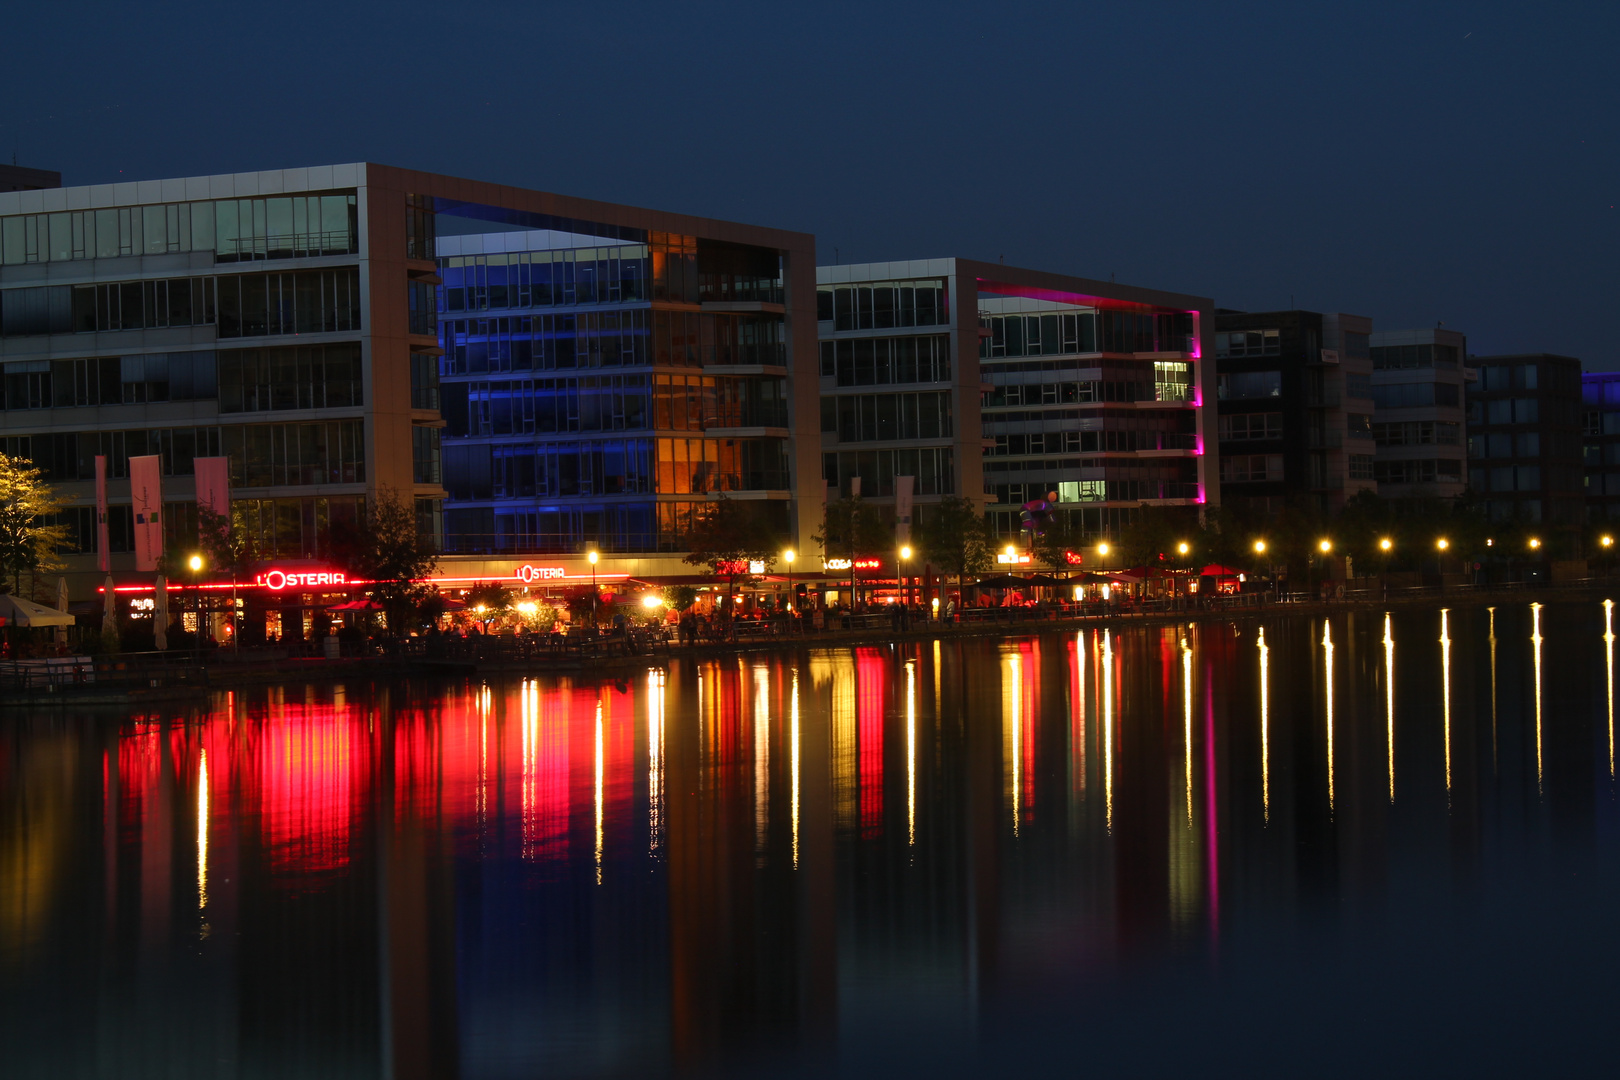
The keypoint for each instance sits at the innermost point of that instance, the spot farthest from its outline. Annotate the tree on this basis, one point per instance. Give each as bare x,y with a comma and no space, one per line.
956,536
27,543
1050,548
488,600
851,528
679,597
388,551
728,535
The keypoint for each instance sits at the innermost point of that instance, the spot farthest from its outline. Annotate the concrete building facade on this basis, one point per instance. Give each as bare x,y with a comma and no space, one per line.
1524,443
1419,421
1003,385
1295,409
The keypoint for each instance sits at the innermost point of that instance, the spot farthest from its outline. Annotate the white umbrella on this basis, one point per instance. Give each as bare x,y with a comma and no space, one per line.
109,608
17,611
160,615
61,605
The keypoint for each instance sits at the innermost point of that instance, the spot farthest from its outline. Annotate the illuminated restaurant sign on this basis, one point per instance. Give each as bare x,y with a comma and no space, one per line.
732,567
860,564
276,580
528,573
1019,559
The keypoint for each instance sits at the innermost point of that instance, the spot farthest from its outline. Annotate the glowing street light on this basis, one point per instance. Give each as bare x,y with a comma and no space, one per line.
1259,547
1385,544
1183,547
1325,546
1607,541
788,556
1535,542
591,557
652,600
1442,543
1102,548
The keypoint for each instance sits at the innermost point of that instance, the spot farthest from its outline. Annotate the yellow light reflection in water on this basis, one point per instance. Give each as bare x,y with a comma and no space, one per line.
911,753
1327,681
762,756
1389,701
1265,726
1108,728
202,831
1186,721
599,766
529,719
1608,661
1535,639
794,720
1445,689
1013,712
655,758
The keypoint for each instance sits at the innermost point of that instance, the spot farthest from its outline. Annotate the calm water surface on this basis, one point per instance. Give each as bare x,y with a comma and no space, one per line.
1279,846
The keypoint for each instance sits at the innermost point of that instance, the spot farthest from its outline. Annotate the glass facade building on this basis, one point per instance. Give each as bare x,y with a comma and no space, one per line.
1004,385
539,374
1419,421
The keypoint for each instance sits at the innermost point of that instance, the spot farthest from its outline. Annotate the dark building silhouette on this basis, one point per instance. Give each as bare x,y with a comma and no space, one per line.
21,178
1524,444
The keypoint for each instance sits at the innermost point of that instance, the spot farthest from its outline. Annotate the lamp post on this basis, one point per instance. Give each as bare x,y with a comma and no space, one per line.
1385,546
787,557
196,565
1608,546
1442,545
591,557
1276,586
905,570
1182,549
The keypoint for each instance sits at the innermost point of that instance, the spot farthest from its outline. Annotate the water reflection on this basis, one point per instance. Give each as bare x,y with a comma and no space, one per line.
755,860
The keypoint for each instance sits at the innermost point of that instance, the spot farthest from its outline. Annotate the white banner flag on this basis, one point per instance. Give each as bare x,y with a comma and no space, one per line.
146,495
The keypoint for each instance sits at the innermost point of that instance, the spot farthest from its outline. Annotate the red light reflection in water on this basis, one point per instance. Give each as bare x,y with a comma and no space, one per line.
872,682
304,760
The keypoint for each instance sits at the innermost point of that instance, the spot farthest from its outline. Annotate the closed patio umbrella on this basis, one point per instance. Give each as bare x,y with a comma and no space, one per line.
160,615
61,605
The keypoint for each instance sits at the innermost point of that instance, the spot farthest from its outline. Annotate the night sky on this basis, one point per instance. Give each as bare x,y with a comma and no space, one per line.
1414,163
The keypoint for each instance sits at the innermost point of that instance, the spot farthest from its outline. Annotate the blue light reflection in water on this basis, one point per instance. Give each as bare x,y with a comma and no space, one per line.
1064,851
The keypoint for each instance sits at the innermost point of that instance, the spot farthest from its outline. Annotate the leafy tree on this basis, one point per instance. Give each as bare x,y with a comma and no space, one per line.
679,597
1060,537
492,597
851,528
729,534
388,550
956,536
1157,531
27,544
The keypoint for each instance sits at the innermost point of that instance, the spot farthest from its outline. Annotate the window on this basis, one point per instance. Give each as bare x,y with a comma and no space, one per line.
877,417
1361,466
1423,471
933,468
424,454
296,377
1050,334
1251,468
1356,346
304,302
1236,343
1527,444
1422,433
1237,427
234,230
1358,425
274,455
885,361
1414,395
1357,385
880,305
1237,386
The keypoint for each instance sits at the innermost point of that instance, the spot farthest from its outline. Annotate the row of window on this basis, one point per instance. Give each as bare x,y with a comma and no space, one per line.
1414,395
1400,357
1104,331
1091,392
615,467
1597,454
1507,377
274,455
1506,478
883,305
1505,411
1417,433
611,339
1238,343
1133,490
1090,442
884,417
614,403
71,455
282,227
291,377
933,470
884,361
1247,427
520,279
1505,444
108,380
1600,423
1251,468
1246,385
620,527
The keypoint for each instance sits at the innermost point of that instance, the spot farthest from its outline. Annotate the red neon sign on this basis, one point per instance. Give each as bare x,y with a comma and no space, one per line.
276,580
1073,558
528,573
868,564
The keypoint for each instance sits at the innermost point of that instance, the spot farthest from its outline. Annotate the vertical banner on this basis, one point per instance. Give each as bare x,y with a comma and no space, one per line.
214,485
903,490
103,555
146,494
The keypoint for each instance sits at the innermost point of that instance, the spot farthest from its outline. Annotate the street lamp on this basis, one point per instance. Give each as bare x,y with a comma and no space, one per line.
591,557
787,557
1535,542
1385,544
1182,548
1260,549
1102,548
1442,543
905,569
196,565
1608,546
1325,546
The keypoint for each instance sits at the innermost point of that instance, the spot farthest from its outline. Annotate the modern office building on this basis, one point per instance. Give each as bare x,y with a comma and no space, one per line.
1524,441
1003,385
1295,400
1418,420
1600,450
597,374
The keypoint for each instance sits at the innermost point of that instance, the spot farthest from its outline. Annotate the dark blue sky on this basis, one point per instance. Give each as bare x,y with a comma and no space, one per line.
1409,162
